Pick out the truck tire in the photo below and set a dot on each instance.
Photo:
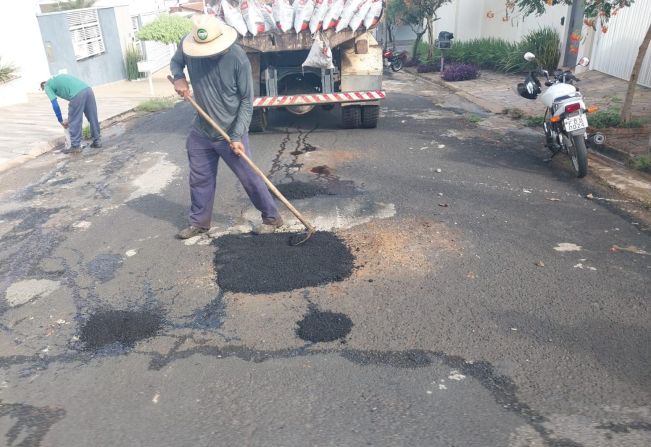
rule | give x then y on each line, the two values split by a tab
351	117
370	115
258	121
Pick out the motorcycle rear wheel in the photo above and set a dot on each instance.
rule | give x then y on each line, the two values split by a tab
396	65
578	154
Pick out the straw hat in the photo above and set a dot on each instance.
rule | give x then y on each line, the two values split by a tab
209	36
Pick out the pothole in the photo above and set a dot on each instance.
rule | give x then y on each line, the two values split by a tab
319	326
104	266
120	327
301	190
268	264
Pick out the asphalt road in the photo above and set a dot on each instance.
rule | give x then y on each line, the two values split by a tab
463	292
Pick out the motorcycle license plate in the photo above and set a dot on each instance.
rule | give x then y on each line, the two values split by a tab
575	123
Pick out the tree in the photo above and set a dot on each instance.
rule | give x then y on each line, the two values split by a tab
400	12
74	4
166	29
597	15
419	15
428	9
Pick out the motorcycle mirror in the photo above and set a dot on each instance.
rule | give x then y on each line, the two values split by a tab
529	56
584	61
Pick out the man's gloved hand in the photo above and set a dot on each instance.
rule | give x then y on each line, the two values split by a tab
237	147
182	88
64	124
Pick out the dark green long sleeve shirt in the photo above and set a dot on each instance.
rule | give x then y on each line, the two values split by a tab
223	86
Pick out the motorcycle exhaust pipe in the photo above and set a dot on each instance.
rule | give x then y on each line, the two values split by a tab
598	138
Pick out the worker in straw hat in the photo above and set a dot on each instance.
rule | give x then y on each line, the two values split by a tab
222	85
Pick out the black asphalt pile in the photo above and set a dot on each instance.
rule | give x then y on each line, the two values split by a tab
319	326
268	264
301	190
106	328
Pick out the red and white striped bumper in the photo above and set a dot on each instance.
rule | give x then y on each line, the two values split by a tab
325	98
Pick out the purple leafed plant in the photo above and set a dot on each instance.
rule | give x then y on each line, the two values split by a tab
428	68
459	72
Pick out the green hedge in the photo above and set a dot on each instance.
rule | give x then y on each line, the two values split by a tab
500	55
166	29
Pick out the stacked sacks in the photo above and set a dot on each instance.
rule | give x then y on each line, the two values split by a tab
233	17
259	16
360	15
283	14
334	11
320	10
374	14
252	17
303	10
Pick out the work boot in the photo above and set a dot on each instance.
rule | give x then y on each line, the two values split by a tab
191	231
267	228
96	145
72	150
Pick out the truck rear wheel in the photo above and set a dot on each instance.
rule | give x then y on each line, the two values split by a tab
258	121
370	115
351	117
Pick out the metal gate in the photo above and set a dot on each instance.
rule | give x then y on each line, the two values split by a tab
614	52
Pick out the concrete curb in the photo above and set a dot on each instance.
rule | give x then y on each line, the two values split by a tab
486	105
633	185
41	147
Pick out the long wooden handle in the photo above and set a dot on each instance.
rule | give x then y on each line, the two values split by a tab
248	161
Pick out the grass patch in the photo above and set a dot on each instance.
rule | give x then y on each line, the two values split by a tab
155	105
85	132
641	163
534	121
473	119
611	118
7	72
131	59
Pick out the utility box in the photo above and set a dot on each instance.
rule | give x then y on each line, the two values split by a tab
444	41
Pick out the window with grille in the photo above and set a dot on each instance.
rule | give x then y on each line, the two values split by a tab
85	32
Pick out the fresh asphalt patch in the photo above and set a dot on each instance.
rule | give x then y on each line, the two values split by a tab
268	264
301	190
318	326
109	327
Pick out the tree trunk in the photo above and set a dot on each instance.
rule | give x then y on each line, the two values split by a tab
419	38
635	74
430	38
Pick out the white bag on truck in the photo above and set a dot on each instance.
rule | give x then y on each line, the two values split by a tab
269	22
320	55
283	14
252	17
233	17
303	10
359	16
320	10
334	11
350	8
373	15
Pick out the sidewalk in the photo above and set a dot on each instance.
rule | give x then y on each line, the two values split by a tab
31	129
496	93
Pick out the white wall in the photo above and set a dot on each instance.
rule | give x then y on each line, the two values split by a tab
615	52
468	19
21	44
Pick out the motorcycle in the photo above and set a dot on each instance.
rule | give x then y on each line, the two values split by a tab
392	60
566	118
